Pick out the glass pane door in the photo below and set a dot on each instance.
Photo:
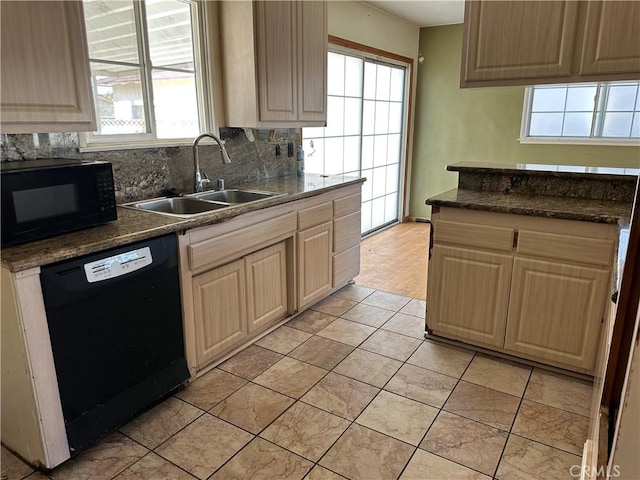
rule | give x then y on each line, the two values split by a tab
364	133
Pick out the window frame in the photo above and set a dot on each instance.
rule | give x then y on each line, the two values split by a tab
370	54
203	19
524	138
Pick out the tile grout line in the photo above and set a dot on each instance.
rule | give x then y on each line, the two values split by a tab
495	472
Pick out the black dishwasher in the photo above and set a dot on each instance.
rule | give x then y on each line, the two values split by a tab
115	322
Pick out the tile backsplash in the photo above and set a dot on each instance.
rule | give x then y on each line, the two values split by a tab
150	172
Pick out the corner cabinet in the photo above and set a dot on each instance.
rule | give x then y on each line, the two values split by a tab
531	287
274	62
558	41
45	84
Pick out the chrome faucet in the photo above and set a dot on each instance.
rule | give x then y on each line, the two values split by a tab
200	178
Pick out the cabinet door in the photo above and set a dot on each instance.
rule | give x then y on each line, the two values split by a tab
276	34
219	309
45	68
312	60
266	286
518	39
611	42
346	231
314	263
346	265
556	311
468	294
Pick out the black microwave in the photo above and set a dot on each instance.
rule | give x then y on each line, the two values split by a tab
43	198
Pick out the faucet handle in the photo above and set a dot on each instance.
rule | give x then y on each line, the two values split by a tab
205	178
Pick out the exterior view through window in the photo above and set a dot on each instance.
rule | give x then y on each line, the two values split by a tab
589	110
142	68
364	133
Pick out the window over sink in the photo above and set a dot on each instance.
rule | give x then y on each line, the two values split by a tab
146	69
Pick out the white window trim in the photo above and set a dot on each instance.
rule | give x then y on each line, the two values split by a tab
205	16
526	140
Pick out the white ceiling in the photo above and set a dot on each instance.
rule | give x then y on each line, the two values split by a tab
423	13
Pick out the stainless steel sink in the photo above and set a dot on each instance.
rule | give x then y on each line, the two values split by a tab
201	203
177	206
235	196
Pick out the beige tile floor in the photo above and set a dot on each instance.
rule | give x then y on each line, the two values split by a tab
349	389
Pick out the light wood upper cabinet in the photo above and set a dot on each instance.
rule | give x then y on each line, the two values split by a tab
519	39
276	34
312	61
274	62
45	76
555	311
469	293
611	43
559	41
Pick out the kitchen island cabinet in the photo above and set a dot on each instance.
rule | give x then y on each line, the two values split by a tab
524	274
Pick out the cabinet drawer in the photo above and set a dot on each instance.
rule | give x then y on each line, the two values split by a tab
473	235
346	205
312	216
346	265
346	231
565	247
245	240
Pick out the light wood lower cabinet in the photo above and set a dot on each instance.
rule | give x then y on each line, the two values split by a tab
241	277
555	311
469	293
531	287
266	273
314	263
219	299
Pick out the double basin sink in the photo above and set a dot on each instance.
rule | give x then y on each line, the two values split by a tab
204	202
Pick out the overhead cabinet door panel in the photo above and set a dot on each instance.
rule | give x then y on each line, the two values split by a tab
519	39
277	65
45	68
611	38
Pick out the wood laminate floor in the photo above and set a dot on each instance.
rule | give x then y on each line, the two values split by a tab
395	260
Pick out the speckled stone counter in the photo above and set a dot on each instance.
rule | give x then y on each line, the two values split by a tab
598	183
588	210
135	225
590	194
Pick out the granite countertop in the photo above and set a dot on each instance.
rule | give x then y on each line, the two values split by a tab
135	225
569	208
535	169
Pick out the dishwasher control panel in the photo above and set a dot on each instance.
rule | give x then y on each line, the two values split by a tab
117	265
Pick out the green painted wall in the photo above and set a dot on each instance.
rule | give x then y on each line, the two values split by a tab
476	124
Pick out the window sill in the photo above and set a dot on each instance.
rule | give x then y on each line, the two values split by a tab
625	142
180	142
